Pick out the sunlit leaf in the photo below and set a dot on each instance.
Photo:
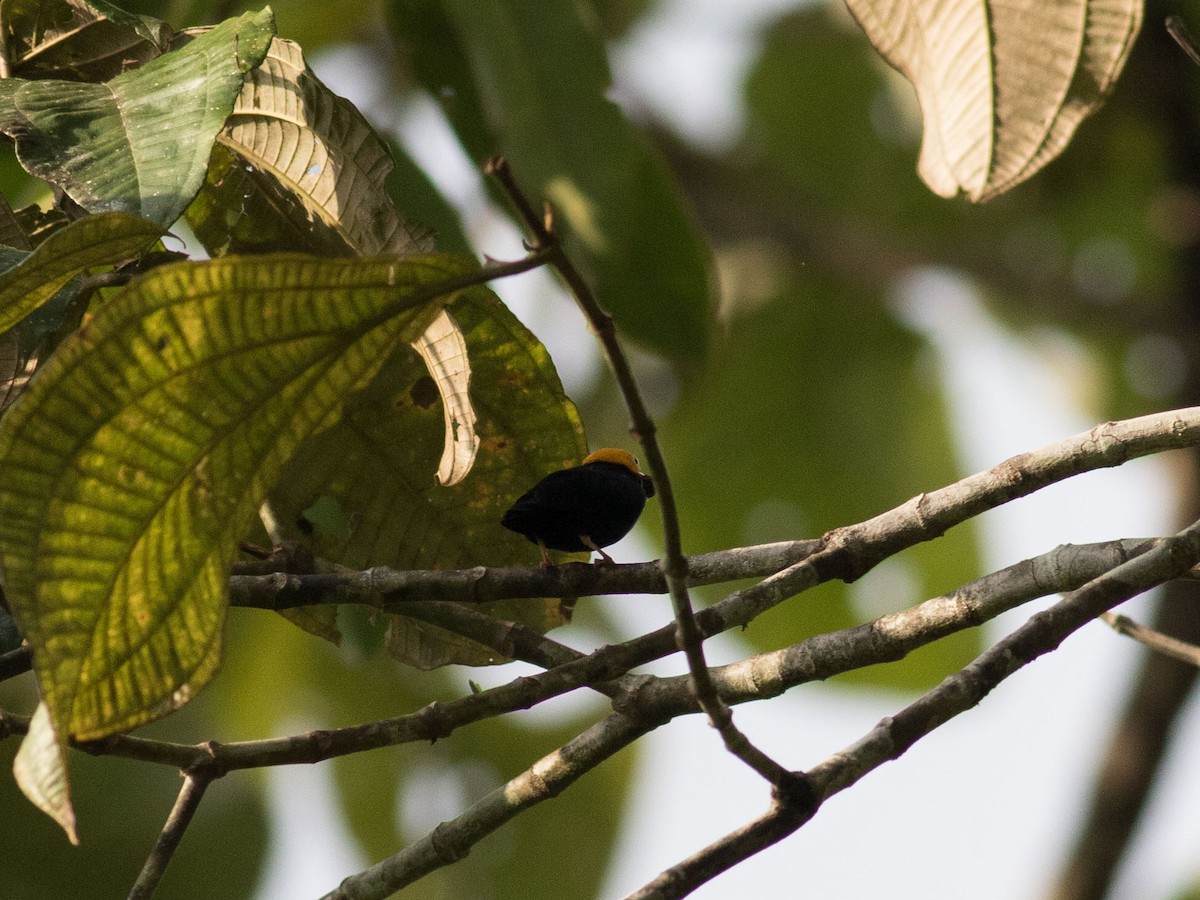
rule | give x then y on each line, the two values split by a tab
141	451
139	143
319	146
41	772
77	40
1002	86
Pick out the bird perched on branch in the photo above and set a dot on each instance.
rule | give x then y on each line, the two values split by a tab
586	507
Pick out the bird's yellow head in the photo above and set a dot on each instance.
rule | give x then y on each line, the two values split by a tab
613	455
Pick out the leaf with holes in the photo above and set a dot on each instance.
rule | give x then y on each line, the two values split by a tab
304	169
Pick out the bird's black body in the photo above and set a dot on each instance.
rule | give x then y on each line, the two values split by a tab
582	508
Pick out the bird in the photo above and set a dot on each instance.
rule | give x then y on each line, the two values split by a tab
584	507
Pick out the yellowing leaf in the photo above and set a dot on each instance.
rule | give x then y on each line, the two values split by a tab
140	452
1002	85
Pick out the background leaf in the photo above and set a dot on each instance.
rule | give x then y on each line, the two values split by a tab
541	78
77	40
92	241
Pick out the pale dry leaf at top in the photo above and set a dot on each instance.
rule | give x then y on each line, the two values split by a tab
1003	84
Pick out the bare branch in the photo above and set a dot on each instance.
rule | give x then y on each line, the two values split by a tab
392	588
186	804
893	736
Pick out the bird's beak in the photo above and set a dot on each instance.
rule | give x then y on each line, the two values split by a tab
648	485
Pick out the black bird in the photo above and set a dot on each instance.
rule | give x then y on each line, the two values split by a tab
585	507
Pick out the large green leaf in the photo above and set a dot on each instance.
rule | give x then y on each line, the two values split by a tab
366	485
1002	86
139	143
542	79
140	452
77	40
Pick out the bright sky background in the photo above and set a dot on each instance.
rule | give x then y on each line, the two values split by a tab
985	807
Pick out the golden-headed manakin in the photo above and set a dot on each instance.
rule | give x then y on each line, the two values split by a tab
585	507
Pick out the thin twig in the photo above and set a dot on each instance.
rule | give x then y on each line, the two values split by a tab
186	804
1155	640
689	636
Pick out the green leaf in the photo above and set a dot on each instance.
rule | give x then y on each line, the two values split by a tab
77	40
140	142
139	454
90	241
11	232
366	485
542	78
1002	87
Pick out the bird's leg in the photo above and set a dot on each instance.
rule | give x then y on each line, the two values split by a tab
591	545
546	564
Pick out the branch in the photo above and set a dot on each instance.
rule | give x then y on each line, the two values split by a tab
185	807
887	639
395	588
689	635
893	736
15	662
651	702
